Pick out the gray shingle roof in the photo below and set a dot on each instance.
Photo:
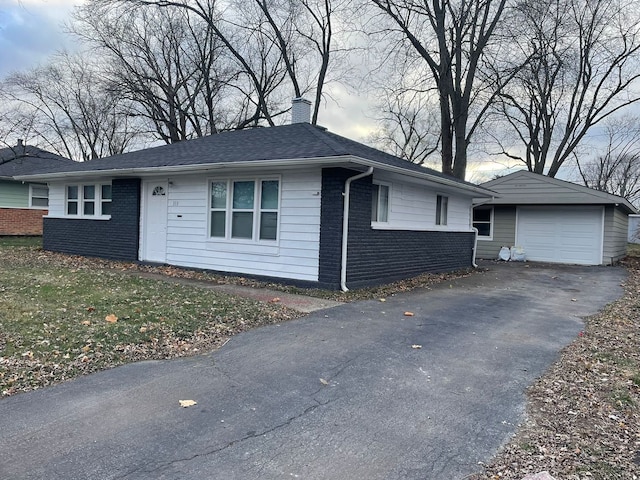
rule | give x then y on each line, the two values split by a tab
26	160
296	141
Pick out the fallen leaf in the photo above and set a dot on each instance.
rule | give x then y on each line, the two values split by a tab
187	403
383	299
86	348
274	300
574	300
91	309
323	381
111	318
408	314
143	329
416	347
86	323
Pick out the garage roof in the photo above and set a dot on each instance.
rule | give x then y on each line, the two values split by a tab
527	188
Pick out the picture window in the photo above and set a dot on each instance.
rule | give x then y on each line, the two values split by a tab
244	209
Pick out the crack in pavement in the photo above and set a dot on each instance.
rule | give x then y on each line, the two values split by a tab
284	424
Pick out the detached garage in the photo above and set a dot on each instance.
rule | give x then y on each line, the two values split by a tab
553	220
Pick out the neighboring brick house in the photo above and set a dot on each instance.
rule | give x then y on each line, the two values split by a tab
265	202
23	204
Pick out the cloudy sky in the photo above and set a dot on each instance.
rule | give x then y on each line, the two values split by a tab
31	30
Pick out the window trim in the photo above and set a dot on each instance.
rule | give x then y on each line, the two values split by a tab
256	210
440	207
388	185
490	222
80	201
32	196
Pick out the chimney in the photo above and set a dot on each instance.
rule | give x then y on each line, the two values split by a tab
20	143
300	110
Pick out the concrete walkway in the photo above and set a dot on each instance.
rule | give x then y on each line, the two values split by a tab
358	391
301	303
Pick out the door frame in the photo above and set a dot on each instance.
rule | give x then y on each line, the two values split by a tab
147	185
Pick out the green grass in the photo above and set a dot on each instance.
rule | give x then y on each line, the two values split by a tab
633	250
11	241
53	317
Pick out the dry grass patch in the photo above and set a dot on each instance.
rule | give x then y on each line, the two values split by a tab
61	317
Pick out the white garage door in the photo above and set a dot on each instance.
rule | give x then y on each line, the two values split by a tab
561	234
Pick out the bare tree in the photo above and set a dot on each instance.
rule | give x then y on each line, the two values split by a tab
582	67
171	67
617	169
65	107
453	38
293	38
409	127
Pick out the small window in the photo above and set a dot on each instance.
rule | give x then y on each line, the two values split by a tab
482	220
269	209
380	203
89	200
39	196
105	199
242	209
72	200
218	209
442	207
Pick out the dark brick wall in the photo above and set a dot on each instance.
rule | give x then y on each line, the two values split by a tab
331	225
379	256
116	238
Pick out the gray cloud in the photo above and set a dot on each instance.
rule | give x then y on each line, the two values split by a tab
29	34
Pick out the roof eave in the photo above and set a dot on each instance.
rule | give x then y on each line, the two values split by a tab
502	201
317	161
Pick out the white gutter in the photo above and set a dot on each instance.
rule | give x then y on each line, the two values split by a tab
277	163
345	226
475	248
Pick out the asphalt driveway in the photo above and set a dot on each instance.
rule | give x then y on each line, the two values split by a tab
339	394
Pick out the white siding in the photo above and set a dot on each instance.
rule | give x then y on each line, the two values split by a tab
413	207
56	199
616	225
295	255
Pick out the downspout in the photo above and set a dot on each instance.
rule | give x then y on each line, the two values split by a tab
475	248
345	226
475	230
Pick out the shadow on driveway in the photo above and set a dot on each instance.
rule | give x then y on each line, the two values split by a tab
339	394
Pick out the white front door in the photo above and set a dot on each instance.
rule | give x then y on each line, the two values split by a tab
155	222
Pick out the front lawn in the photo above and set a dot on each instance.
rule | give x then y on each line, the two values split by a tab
63	316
